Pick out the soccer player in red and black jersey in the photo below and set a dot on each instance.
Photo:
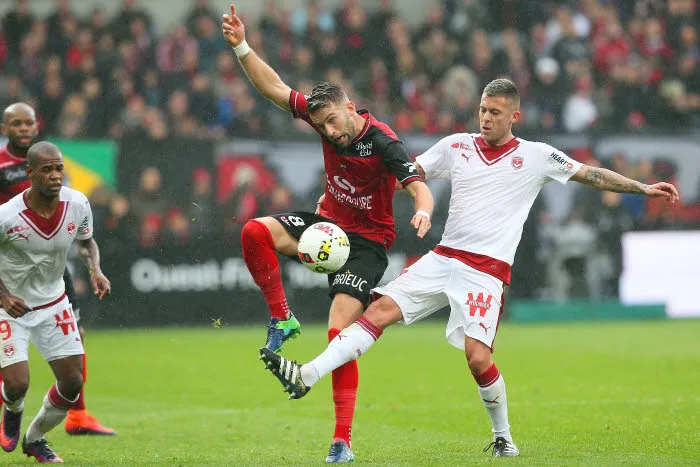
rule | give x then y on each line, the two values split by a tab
20	127
363	160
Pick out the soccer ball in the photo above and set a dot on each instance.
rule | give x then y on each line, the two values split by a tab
324	248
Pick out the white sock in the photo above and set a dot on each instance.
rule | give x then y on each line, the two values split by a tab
352	342
49	416
13	406
494	399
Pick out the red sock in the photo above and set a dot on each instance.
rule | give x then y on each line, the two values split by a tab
345	382
261	259
57	400
488	377
80	403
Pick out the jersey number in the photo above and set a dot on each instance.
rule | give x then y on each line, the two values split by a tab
295	221
5	330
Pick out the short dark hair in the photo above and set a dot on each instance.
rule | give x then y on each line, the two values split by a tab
503	87
39	149
323	94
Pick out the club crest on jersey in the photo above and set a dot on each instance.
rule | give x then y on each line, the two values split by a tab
8	350
17	233
517	162
71	228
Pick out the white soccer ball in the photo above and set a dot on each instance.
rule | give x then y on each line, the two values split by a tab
324	248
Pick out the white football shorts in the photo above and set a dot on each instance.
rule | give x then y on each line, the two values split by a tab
435	281
53	331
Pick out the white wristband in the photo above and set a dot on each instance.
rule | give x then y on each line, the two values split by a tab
242	49
423	213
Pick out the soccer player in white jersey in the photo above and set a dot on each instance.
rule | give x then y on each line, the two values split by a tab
37	228
495	179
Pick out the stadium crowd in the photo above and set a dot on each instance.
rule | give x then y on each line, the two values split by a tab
94	76
588	65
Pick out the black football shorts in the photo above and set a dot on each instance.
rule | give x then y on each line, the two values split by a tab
364	268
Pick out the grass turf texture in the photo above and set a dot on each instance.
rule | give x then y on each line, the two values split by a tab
592	393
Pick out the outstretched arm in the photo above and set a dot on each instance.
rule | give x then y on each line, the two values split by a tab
263	77
605	179
90	254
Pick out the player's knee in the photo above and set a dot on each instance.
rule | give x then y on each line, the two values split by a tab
383	312
15	386
479	356
71	384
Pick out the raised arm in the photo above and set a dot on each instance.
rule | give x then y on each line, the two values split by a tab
607	180
263	77
90	254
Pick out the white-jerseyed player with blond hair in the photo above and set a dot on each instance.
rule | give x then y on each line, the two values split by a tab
495	179
37	229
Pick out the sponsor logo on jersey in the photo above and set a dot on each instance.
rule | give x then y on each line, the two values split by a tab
71	228
461	145
83	228
348	278
66	321
14	174
359	202
467	157
517	162
344	184
560	162
17	233
365	149
478	304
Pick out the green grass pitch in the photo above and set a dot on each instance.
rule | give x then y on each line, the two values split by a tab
593	393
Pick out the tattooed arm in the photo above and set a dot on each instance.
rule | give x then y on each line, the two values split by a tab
607	180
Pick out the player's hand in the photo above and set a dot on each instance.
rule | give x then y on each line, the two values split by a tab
318	203
100	285
232	28
421	222
664	189
14	306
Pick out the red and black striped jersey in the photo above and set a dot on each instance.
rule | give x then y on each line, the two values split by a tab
13	176
361	178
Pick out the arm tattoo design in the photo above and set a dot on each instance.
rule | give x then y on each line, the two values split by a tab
612	181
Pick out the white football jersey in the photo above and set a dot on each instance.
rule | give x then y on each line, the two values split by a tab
493	189
34	250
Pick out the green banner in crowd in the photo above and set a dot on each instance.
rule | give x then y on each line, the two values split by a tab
89	164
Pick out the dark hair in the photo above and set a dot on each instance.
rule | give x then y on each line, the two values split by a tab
503	87
323	94
39	149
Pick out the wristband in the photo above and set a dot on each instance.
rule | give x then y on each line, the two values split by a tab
423	213
242	49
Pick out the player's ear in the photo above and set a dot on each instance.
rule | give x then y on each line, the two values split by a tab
516	116
350	105
3	129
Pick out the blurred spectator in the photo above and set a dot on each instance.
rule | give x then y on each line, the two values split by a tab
129	12
580	112
243	203
200	9
15	25
203	103
210	44
148	199
203	210
177	230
